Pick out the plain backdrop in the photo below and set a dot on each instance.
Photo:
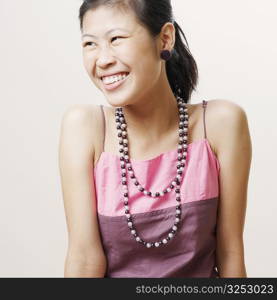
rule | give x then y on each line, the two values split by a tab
42	74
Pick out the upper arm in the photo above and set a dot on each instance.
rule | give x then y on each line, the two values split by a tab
234	152
76	152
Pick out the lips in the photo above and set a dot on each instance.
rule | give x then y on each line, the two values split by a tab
113	86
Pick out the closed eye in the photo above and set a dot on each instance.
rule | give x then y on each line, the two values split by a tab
117	37
87	44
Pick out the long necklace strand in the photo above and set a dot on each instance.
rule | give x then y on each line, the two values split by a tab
125	162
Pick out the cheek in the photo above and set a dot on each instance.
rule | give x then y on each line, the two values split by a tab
87	62
144	58
147	67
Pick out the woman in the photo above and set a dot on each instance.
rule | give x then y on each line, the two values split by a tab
153	186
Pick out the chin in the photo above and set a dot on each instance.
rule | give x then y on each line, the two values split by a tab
115	104
119	101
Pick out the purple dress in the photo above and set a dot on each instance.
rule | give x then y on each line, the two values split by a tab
191	253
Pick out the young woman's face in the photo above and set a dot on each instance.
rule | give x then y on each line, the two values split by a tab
114	42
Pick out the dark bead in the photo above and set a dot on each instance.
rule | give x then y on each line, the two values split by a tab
180	172
136	183
126	211
120	143
130	168
120	134
181	126
178	167
126	152
129	219
177	191
185	125
181	134
168	238
173	231
149	193
180	142
124	183
125	194
118	127
152	244
123	167
171	186
117	119
126	202
127	160
179	150
121	150
144	243
132	176
157	194
123	175
182	165
141	189
178	206
125	145
178	199
121	158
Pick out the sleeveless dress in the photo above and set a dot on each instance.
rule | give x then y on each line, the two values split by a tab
191	253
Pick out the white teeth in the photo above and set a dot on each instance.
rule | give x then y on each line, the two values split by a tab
112	79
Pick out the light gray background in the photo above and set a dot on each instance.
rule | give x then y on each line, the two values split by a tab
41	74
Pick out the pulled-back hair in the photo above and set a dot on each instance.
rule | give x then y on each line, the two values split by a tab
181	69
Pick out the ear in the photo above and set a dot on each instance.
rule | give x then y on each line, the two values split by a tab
167	36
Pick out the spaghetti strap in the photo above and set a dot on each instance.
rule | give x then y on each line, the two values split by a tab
204	105
104	126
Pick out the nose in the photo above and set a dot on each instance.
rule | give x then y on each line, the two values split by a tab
104	58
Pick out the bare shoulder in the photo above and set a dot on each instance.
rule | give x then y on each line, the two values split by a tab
225	108
82	121
226	122
80	112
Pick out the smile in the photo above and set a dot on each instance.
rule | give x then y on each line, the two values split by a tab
109	85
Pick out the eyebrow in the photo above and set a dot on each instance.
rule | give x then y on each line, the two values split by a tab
109	31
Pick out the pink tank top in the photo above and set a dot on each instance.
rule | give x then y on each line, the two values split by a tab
191	253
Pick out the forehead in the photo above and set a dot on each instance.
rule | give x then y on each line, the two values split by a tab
104	18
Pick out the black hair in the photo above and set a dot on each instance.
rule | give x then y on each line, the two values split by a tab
181	69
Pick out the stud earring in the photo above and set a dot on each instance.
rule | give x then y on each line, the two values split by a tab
166	54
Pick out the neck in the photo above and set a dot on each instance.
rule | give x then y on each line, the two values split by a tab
152	118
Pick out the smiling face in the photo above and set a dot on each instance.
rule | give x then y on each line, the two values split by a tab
114	42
